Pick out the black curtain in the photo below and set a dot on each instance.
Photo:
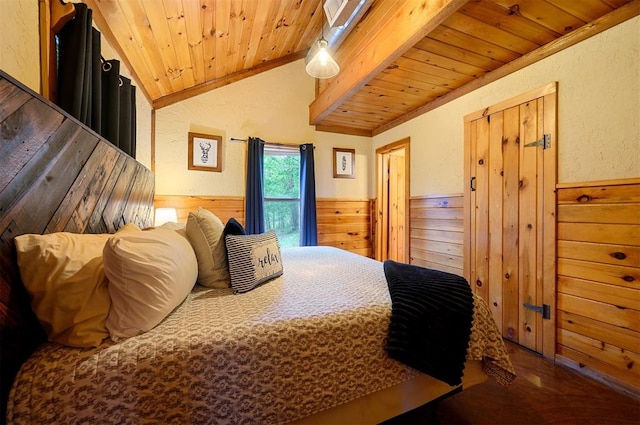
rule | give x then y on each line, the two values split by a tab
78	49
308	219
90	89
127	130
111	99
118	108
254	200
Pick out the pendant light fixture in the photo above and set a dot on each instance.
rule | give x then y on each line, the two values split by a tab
322	65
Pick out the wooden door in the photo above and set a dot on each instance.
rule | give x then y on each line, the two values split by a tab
392	163
396	205
510	203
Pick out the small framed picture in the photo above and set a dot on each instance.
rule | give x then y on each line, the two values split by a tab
205	152
344	161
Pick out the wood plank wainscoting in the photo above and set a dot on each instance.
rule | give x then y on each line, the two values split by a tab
437	232
598	280
598	271
343	223
224	207
346	224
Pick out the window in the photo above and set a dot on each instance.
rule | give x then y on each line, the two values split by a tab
282	193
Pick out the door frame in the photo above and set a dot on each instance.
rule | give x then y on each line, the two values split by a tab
381	236
550	176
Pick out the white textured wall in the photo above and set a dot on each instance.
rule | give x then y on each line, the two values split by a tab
273	105
598	115
20	41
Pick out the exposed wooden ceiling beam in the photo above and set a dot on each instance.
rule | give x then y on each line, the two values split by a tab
378	41
597	26
344	130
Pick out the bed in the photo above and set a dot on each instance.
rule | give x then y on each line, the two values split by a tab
307	341
305	347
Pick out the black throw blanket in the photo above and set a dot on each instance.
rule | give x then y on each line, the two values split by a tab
431	318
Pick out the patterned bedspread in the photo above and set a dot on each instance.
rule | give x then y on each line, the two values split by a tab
307	341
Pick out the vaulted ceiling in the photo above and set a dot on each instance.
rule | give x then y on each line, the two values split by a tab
401	59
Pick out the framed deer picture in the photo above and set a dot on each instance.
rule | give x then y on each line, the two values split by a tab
205	152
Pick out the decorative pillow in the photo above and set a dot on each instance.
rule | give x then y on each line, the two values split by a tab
204	231
171	225
233	227
150	273
179	228
64	276
253	260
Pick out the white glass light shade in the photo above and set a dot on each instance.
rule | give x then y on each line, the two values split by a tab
322	64
165	215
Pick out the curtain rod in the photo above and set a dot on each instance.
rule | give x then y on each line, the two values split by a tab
286	145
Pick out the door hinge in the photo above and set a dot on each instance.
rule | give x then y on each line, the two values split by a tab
545	309
545	142
472	184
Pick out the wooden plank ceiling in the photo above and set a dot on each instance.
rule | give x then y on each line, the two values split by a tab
402	58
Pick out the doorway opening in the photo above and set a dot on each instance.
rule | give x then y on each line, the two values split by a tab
392	201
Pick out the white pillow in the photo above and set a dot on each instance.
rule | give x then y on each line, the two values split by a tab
150	273
205	232
64	275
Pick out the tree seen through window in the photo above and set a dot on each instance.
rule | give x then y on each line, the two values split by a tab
282	193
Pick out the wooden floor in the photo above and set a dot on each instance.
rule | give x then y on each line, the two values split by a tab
542	393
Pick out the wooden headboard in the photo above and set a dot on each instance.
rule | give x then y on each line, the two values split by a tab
55	175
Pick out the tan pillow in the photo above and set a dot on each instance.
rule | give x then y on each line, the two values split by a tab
205	232
64	276
150	273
